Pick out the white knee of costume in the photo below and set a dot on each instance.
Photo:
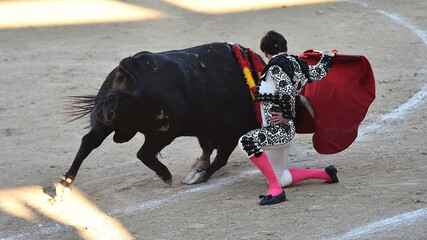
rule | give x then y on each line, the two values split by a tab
278	156
286	178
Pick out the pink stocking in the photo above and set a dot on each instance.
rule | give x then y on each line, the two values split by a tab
264	166
304	174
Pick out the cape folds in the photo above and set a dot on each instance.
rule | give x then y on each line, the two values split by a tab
340	100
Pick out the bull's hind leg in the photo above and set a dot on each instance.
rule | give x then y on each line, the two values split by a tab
201	163
147	155
89	142
224	151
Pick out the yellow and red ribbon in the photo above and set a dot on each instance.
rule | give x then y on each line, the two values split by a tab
244	61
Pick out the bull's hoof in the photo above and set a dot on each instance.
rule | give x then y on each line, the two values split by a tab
190	176
168	181
63	188
196	176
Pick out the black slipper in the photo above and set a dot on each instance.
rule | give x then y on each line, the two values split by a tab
332	172
269	199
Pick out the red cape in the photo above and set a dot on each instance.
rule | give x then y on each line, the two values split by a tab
340	101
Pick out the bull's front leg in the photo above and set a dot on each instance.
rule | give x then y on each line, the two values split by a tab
224	151
89	142
200	164
147	154
197	166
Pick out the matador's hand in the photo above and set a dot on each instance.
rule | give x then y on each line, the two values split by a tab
278	118
328	52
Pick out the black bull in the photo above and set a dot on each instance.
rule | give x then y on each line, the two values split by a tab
200	91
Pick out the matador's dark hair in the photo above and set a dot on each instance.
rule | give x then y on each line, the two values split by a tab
273	43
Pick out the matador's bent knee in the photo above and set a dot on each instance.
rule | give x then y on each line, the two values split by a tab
249	146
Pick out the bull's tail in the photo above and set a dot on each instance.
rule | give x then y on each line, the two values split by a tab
77	107
101	108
